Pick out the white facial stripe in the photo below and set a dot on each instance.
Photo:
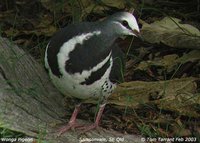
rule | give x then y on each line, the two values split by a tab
133	23
70	45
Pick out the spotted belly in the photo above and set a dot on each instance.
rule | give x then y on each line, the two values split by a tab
72	88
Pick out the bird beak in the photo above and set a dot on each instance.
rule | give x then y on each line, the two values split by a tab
137	34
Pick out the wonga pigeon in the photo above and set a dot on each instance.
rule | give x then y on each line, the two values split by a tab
84	61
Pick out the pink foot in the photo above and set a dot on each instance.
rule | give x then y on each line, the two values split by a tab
95	125
88	128
70	125
72	122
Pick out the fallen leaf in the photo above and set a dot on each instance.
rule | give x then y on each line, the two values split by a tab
170	62
171	32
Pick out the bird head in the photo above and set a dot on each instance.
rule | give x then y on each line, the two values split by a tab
124	24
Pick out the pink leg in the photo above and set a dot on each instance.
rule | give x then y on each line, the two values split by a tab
97	120
72	122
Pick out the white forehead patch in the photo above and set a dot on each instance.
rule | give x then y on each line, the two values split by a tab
131	20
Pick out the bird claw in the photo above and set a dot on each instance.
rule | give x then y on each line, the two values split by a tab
74	126
68	127
88	128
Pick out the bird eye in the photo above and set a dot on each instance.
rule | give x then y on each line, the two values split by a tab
125	23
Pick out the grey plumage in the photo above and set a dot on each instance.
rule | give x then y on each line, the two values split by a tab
84	61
